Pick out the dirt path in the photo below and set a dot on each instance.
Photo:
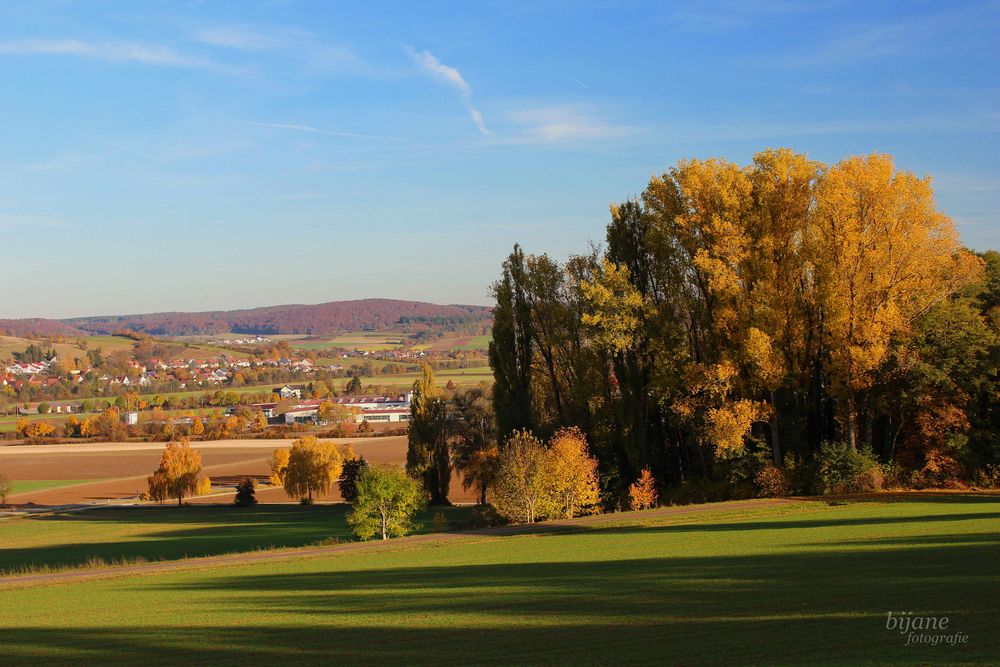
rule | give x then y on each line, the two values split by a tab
283	555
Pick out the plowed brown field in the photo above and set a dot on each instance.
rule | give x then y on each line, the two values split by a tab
121	468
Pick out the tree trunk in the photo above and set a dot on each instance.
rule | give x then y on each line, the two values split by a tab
852	424
482	493
773	422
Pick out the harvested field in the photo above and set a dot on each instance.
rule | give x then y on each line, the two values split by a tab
121	468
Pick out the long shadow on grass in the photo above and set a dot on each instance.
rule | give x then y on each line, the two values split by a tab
184	532
629	523
937	497
822	607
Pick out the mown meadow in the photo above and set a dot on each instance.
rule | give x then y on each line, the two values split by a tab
798	582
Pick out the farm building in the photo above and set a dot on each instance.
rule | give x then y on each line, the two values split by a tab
362	408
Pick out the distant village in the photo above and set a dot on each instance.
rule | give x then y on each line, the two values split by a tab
154	388
183	373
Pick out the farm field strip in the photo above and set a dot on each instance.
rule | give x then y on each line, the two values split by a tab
120	469
29	485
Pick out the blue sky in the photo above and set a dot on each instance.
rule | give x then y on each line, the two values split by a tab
203	155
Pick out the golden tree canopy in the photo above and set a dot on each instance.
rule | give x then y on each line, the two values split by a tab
177	476
313	467
573	473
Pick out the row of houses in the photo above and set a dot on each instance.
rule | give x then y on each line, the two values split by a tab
29	368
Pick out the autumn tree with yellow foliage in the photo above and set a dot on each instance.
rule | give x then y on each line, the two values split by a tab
179	473
760	309
573	473
279	466
313	467
524	491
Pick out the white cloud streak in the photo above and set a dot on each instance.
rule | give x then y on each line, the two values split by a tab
301	127
240	38
564	123
116	52
453	78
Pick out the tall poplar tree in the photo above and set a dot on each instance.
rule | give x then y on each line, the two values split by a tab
427	454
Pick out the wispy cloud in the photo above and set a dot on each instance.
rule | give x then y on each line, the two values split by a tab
932	35
308	54
451	77
715	18
300	127
562	123
239	37
116	52
866	43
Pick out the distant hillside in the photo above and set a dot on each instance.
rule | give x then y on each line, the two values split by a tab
37	326
321	318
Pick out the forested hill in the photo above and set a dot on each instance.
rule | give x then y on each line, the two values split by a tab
38	326
288	319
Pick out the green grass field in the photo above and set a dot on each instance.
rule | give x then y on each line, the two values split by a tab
108	344
29	485
476	343
169	533
803	583
460	376
360	340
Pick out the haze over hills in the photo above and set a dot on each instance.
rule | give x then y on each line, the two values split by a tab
284	319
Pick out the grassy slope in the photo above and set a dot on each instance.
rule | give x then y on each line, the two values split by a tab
27	485
807	584
169	533
107	344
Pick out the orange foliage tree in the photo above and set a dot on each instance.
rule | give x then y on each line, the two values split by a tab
178	474
642	493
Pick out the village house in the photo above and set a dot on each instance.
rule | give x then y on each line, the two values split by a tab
288	392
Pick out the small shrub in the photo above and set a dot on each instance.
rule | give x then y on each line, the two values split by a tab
988	477
439	523
485	516
801	475
842	469
772	482
894	476
305	501
246	492
642	493
348	483
941	470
